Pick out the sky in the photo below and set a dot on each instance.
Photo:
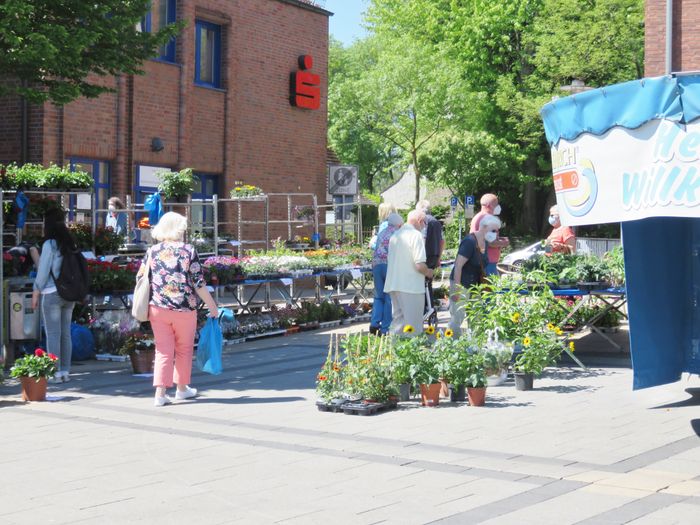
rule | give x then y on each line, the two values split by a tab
346	19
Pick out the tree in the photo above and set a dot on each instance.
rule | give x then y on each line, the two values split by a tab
53	47
474	163
400	94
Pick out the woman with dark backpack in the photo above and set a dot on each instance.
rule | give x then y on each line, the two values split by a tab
56	311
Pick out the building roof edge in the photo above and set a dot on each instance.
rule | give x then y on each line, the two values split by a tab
307	6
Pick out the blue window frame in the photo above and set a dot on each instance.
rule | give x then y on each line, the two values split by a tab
205	187
144	25
167	14
207	56
99	170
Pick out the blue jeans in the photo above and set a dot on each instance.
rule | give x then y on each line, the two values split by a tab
491	269
381	308
57	314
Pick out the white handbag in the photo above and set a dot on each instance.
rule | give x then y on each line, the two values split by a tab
142	293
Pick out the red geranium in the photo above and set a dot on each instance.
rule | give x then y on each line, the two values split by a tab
39	352
53	357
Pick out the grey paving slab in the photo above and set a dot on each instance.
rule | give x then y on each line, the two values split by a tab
633	510
253	449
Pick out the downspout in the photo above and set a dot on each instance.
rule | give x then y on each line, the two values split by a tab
669	36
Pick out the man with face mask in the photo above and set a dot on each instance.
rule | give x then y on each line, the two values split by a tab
490	206
562	239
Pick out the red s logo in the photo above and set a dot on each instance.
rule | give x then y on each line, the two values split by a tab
304	90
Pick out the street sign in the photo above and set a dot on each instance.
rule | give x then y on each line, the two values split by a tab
469	206
453	202
470	200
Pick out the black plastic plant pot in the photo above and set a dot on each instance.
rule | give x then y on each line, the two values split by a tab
458	393
524	380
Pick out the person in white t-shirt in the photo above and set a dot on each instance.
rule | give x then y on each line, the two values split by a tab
406	273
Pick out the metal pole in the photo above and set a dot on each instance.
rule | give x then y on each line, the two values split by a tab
240	241
267	223
2	278
317	233
359	219
93	209
215	213
669	36
289	217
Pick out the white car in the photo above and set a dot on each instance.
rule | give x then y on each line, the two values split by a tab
517	258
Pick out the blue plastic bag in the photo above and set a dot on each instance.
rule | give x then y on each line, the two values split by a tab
209	347
82	341
154	207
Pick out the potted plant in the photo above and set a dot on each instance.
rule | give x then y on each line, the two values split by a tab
33	371
540	349
476	379
246	191
141	350
425	373
176	184
405	356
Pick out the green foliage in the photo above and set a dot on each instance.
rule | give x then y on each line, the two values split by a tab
31	176
36	365
137	342
107	241
62	49
176	183
541	348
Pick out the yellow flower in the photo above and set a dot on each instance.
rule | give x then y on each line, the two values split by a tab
449	332
558	331
515	317
527	341
571	346
408	329
430	330
438	335
550	326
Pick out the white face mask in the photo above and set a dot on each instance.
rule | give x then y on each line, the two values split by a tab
111	208
490	236
552	220
497	209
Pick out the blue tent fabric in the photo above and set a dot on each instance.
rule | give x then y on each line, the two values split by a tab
628	105
82	342
22	203
662	288
154	207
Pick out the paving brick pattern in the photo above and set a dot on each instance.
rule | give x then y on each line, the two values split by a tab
580	448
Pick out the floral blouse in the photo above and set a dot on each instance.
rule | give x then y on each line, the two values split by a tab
175	275
381	250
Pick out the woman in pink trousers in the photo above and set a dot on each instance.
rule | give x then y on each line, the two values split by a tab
177	284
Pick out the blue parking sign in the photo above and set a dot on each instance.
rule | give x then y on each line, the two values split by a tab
470	200
454	201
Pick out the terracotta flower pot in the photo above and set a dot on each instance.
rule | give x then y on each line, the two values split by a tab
477	396
142	361
430	395
292	329
33	390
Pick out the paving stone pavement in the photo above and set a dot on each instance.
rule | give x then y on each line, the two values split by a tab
252	448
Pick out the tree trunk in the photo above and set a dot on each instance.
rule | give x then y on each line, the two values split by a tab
530	211
416	171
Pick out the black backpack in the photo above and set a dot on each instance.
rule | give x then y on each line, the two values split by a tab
73	281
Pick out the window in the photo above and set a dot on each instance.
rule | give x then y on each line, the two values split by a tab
100	174
205	187
167	15
207	71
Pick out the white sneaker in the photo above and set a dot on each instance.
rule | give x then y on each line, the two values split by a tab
65	376
186	394
161	401
56	379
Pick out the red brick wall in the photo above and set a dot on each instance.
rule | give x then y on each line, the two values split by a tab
246	131
686	38
10	126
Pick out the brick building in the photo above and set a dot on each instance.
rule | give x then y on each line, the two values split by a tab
217	100
686	38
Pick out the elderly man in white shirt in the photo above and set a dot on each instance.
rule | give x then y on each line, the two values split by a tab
406	273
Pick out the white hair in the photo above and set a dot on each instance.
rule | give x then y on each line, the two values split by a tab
395	219
423	205
171	227
490	221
